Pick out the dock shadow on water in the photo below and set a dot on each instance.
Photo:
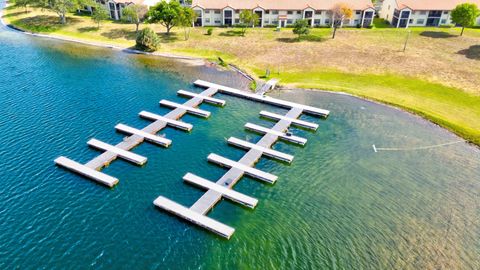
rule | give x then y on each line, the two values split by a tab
473	52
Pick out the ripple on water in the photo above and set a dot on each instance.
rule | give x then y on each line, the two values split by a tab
338	205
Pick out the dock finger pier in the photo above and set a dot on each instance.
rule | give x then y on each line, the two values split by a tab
215	189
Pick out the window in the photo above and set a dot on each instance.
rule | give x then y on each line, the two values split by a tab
237	11
347	21
289	12
266	21
420	21
388	7
289	21
317	21
299	12
327	21
318	12
217	21
275	22
444	21
445	12
237	20
423	12
356	22
275	12
267	11
207	11
207	20
217	11
410	21
358	12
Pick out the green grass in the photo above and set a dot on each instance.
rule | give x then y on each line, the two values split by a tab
449	107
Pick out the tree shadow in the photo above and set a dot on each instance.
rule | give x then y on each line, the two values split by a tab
15	14
473	52
120	33
310	38
432	34
44	23
87	29
231	33
168	38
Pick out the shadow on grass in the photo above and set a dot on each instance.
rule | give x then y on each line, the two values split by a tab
164	38
43	23
310	38
87	29
231	33
120	33
15	14
432	34
471	53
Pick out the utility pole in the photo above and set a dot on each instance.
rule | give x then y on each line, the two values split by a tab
406	40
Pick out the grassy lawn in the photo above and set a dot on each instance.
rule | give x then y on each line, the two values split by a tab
438	76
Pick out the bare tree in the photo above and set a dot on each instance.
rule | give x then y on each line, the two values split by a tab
340	13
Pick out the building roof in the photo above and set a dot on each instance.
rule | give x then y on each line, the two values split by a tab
433	4
281	4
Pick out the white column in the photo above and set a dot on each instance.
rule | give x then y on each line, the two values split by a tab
363	19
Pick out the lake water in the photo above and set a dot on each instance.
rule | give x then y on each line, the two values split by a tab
339	205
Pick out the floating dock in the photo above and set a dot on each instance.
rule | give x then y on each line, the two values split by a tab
223	187
194	217
266	151
122	149
189	109
87	172
149	137
276	132
226	192
295	122
255	173
207	99
127	155
173	123
262	98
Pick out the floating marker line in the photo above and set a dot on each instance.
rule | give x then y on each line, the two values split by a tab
376	149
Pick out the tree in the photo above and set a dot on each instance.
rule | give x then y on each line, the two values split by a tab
301	28
247	19
165	13
185	19
61	7
134	14
100	14
340	13
147	40
465	15
24	3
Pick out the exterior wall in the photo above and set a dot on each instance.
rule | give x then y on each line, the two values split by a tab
273	18
388	7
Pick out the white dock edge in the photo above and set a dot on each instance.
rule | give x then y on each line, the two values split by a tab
127	155
255	173
189	109
226	192
194	217
261	98
86	171
294	121
266	151
284	136
170	122
207	99
147	136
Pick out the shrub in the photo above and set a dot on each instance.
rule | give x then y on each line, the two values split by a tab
147	40
210	31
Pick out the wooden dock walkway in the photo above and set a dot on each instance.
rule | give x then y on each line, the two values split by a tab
245	165
160	122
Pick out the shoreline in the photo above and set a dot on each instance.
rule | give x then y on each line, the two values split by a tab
202	61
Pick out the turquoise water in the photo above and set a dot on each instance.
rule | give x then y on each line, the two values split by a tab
339	205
